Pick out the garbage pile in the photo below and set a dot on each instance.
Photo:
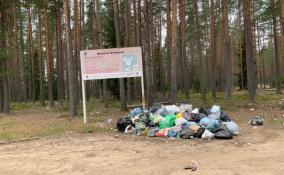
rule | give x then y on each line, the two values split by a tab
179	122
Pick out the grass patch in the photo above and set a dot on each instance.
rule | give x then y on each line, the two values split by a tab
32	120
277	122
21	106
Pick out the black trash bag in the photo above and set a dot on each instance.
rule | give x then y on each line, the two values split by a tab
145	118
199	132
187	133
153	109
123	123
222	132
197	117
224	117
204	111
256	120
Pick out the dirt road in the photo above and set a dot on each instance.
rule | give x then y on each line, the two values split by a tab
258	150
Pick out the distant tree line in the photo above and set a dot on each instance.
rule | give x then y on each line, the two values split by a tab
188	46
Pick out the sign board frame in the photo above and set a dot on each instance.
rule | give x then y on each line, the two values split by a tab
125	63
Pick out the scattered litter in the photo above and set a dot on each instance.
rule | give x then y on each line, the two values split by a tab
109	121
256	121
192	167
183	121
252	109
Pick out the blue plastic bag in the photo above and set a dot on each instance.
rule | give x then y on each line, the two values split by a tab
209	124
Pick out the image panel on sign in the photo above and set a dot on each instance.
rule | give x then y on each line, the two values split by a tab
129	62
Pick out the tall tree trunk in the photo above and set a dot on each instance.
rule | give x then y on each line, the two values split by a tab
240	43
185	72
40	61
71	73
282	15
93	91
148	60
159	51
22	58
128	42
213	49
138	27
169	42
173	83
249	49
221	43
4	84
82	19
199	49
118	45
276	50
76	51
227	51
261	78
48	57
100	46
59	60
18	92
31	57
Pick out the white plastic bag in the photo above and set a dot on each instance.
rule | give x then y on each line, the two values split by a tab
207	135
186	107
172	109
233	127
195	111
215	109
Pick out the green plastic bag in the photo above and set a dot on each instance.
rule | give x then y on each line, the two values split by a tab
168	122
156	118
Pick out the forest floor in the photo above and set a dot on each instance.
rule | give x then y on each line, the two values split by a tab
59	145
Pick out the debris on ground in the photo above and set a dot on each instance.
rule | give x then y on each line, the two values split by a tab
192	167
179	122
256	121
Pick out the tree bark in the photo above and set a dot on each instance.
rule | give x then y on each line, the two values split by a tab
118	45
48	58
71	73
82	19
18	88
148	61
185	71
240	44
282	15
40	61
169	43
249	49
227	51
4	84
76	51
199	50
128	42
173	82
276	49
100	45
59	60
213	49
31	57
22	59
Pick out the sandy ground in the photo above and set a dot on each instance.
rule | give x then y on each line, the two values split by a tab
257	150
